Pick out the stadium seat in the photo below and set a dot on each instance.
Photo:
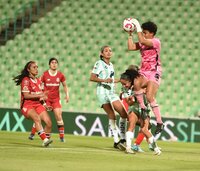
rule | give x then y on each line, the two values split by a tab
75	31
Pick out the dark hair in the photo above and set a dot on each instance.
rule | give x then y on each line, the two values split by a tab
150	26
24	73
133	67
52	59
130	75
102	49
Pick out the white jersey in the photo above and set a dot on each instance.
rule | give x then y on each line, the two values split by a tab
126	93
104	71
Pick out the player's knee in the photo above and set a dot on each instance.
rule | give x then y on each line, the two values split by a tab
36	119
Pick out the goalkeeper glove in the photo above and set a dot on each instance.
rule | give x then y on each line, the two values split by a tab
137	25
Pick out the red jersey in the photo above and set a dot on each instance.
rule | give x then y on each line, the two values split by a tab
33	87
52	83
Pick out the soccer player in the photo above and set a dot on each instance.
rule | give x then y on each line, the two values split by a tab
125	94
136	115
31	97
103	73
150	68
51	80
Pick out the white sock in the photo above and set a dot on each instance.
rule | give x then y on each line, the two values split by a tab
151	139
129	138
113	130
45	140
152	142
122	127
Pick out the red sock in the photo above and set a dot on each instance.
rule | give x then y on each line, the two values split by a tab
61	130
33	130
48	135
139	138
42	134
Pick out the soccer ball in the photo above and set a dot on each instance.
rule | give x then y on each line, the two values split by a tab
128	25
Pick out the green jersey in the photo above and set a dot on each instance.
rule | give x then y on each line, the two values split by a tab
135	107
104	71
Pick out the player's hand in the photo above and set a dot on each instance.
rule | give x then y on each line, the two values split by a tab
67	98
48	108
137	25
43	97
108	80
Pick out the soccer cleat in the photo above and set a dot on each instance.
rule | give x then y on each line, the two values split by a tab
31	137
47	143
137	148
119	146
115	145
129	151
151	148
157	151
159	128
123	141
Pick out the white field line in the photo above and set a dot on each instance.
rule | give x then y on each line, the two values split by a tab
66	149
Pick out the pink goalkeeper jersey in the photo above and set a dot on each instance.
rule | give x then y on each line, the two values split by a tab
151	57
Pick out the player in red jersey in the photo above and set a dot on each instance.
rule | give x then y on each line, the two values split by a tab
51	80
31	97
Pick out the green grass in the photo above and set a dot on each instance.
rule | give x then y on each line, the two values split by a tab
80	153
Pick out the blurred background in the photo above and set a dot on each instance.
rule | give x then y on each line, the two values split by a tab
75	30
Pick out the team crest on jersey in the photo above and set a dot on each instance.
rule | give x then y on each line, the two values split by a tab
25	88
58	79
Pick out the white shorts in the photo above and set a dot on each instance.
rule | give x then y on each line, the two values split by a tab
107	98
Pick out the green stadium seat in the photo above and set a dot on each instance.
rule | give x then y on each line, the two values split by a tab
75	32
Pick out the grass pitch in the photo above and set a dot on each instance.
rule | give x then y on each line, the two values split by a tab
80	153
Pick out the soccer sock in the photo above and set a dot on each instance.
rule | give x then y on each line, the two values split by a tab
113	130
152	141
48	135
42	134
129	138
33	130
61	129
122	127
156	111
139	96
139	138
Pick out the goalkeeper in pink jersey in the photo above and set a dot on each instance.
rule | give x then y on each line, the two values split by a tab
150	68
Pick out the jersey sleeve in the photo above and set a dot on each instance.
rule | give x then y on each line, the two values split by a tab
63	78
156	43
25	85
97	68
